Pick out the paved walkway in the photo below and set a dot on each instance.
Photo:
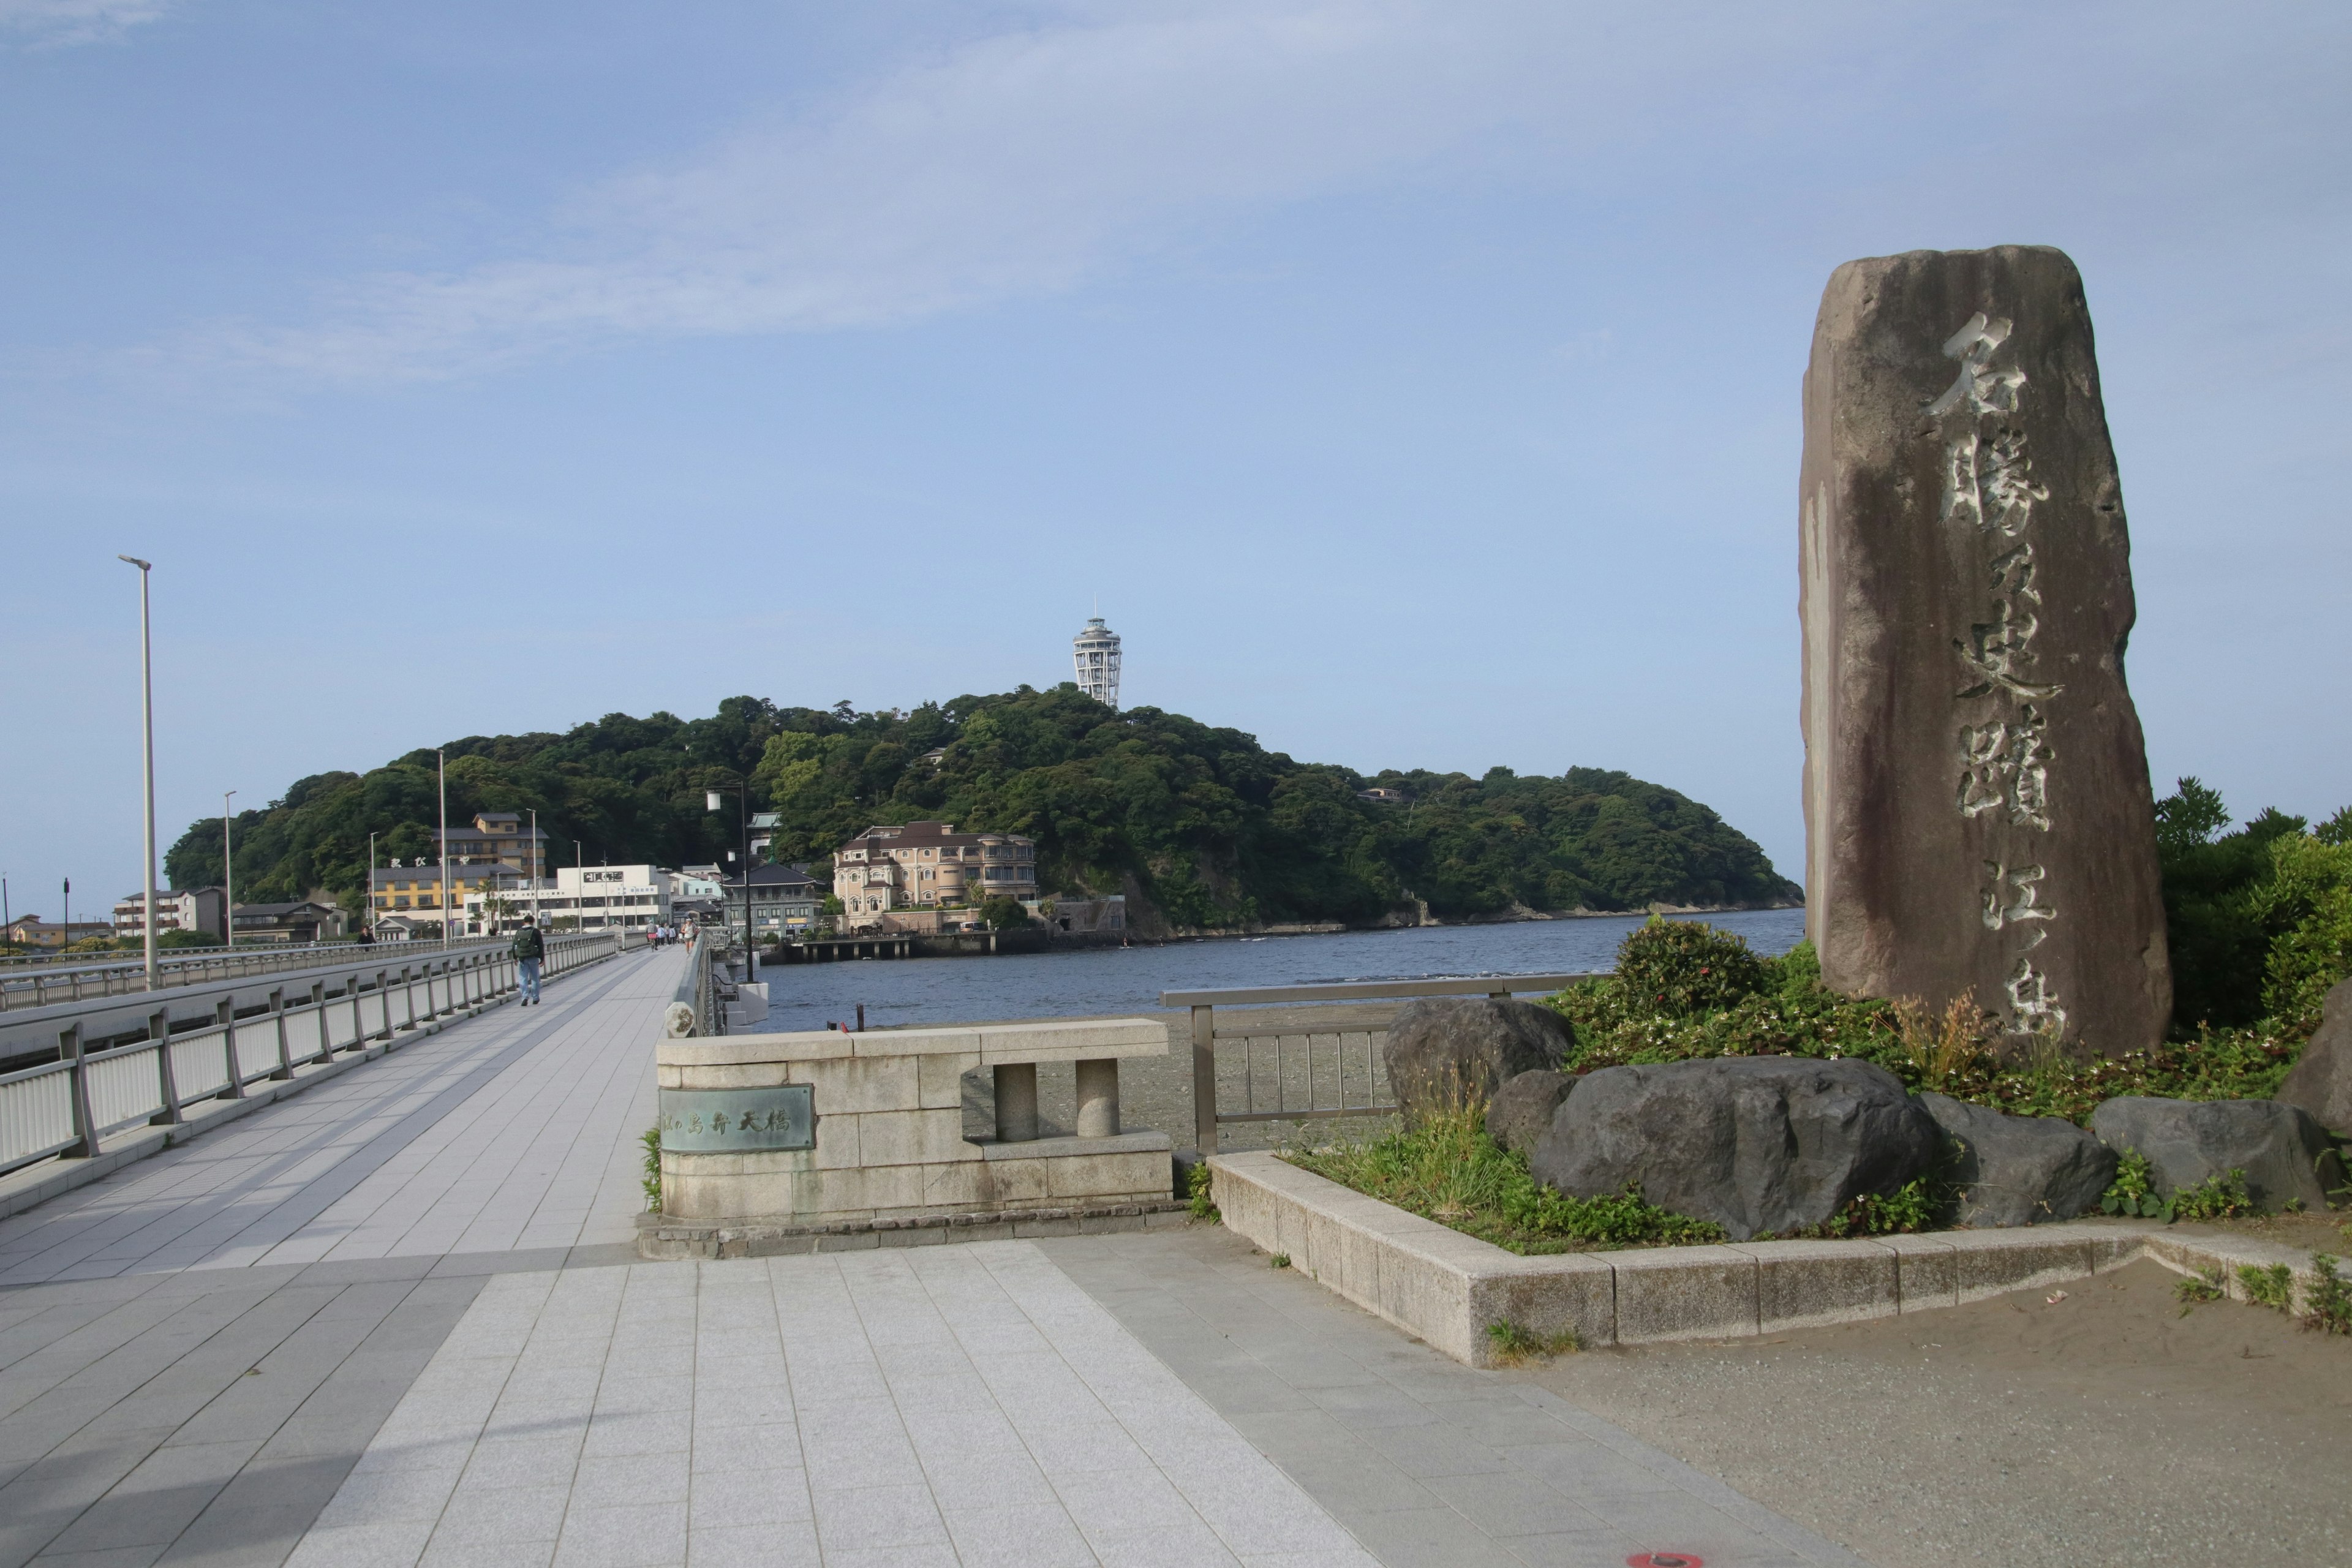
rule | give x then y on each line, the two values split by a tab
512	1131
395	1320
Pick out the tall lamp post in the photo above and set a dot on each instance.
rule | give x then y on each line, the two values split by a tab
441	760
537	868
743	796
579	891
228	876
147	716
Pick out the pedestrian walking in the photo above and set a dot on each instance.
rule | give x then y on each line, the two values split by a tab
530	948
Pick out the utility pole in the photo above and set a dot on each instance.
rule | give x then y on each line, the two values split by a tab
367	910
228	875
537	865
441	760
147	716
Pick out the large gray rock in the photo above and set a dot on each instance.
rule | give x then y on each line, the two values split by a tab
1521	1112
2321	1079
1976	806
1753	1143
1451	1053
2282	1149
2020	1170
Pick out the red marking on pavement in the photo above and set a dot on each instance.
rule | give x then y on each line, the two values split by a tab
1664	1559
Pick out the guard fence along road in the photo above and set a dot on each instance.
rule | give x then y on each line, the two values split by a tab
42	982
1281	1082
129	1062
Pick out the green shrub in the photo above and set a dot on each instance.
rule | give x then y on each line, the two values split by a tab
2272	1287
1448	1170
2133	1192
1198	1188
651	1182
2215	1197
1678	968
2330	1299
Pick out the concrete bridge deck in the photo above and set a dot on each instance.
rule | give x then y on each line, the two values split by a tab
398	1320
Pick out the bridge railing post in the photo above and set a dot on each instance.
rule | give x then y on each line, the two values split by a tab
1205	1078
85	1126
225	1015
167	1078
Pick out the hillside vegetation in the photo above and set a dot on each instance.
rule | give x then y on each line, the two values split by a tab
1205	824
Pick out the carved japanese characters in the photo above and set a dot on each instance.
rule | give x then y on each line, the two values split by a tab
1976	803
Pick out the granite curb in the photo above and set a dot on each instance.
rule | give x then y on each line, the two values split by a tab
661	1239
1447	1288
35	1184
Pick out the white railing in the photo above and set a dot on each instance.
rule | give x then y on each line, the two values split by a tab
69	1105
24	986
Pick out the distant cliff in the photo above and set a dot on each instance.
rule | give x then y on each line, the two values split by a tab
1205	825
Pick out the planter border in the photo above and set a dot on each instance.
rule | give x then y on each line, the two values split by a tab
1446	1287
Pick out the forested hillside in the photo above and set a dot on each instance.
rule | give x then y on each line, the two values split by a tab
1205	824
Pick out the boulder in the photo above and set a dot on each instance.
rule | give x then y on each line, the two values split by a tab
1522	1110
2321	1081
2282	1149
1448	1053
1754	1143
2020	1170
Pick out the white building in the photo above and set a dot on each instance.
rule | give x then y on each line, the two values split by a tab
1095	652
197	909
587	897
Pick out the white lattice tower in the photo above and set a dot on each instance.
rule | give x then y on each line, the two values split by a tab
1095	652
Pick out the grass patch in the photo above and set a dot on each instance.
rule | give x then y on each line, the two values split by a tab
1515	1346
2330	1298
1448	1170
2203	1286
2272	1287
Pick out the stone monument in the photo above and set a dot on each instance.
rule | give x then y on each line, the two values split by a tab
1977	815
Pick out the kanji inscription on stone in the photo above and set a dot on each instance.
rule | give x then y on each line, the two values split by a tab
1978	814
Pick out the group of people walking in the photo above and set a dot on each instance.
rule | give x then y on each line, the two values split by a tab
662	936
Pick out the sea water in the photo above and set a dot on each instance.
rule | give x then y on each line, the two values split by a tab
1099	982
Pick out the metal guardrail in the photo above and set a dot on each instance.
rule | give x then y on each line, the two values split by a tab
46	987
216	1047
1371	1095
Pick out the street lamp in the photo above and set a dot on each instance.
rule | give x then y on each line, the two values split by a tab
441	761
710	802
147	714
228	875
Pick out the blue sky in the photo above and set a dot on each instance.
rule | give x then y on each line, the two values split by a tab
1415	385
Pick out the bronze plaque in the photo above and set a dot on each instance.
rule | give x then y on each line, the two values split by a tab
738	1120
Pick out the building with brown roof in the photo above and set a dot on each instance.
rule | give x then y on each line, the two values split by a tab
914	866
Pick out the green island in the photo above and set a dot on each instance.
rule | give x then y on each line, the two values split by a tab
1203	828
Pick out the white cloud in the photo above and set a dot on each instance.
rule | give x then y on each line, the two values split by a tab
76	21
1024	164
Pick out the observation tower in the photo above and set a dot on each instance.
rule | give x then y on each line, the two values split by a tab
1095	652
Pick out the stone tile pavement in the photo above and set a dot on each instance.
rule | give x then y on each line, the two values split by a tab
397	1320
509	1131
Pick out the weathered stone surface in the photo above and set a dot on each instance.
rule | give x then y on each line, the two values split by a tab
1448	1052
1754	1143
2020	1170
1977	805
2282	1149
2321	1081
1521	1112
